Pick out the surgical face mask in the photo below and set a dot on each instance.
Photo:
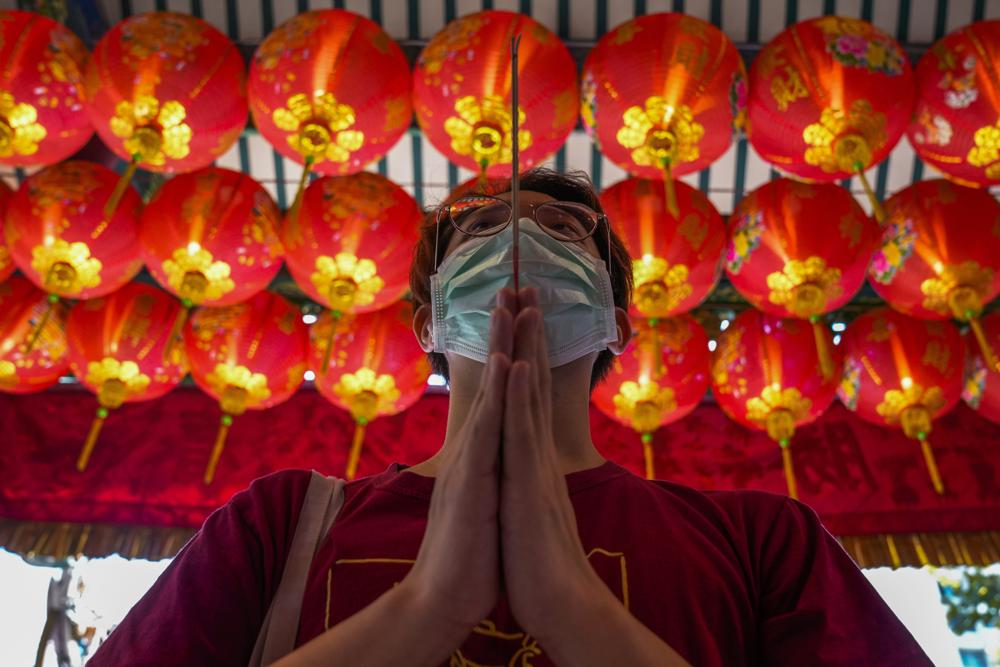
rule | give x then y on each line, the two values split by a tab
574	294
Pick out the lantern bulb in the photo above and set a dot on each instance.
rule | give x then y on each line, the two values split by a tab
193	248
906	382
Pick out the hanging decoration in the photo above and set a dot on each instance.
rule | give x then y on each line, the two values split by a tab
330	89
660	378
956	122
116	350
211	238
351	244
940	254
60	238
661	95
166	92
903	372
462	86
676	258
764	376
251	355
375	369
42	118
829	98
981	390
7	266
24	370
800	250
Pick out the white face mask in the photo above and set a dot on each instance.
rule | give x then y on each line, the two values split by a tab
574	294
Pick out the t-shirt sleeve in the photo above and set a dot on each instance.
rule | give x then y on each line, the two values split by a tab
816	607
208	605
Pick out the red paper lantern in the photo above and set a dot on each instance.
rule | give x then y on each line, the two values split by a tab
331	90
25	370
661	95
42	119
661	378
166	92
120	349
829	97
6	263
940	254
462	92
902	372
248	356
211	237
982	382
59	236
956	122
676	259
800	250
375	366
764	376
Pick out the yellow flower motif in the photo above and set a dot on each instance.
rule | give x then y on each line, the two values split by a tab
346	280
913	407
196	276
659	287
151	131
845	141
986	152
483	129
238	387
66	268
321	126
367	394
778	410
960	289
117	380
19	131
660	134
876	55
644	404
804	287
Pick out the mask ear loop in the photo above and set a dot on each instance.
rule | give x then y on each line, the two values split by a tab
515	161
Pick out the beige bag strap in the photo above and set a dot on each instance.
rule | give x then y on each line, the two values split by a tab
323	500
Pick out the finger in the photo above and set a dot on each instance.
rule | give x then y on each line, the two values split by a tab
526	335
506	298
501	329
485	421
519	432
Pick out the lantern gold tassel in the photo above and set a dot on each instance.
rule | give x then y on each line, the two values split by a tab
220	443
647	453
984	345
786	458
123	183
822	347
88	445
355	454
293	212
670	189
334	317
176	331
932	468
37	331
877	209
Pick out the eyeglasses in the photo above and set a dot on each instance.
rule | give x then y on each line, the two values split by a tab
483	215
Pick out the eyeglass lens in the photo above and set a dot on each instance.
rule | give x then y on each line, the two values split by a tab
484	216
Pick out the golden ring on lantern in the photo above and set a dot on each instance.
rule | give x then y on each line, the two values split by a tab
66	268
366	393
788	407
117	380
958	289
150	131
804	286
659	287
346	280
321	127
19	131
841	140
237	387
660	134
482	129
644	404
197	276
912	407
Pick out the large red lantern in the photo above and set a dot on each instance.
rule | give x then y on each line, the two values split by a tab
800	250
349	246
462	92
166	92
829	98
120	349
940	254
902	372
662	94
331	90
764	376
251	355
42	119
676	259
661	378
956	122
211	238
7	266
375	367
22	369
982	381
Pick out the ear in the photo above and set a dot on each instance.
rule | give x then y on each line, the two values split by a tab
422	328
624	326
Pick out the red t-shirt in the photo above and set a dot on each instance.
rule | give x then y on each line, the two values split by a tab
724	577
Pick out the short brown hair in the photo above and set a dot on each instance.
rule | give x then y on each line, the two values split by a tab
573	187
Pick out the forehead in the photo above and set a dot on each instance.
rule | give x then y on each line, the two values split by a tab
527	197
